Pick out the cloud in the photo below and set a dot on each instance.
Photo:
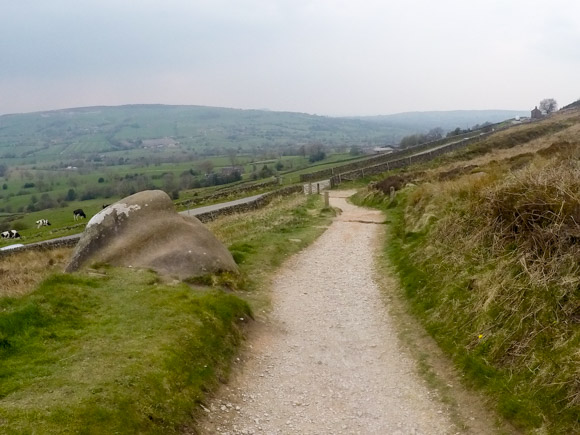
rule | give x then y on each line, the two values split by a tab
323	56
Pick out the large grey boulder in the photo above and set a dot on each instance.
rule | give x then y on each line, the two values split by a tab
144	230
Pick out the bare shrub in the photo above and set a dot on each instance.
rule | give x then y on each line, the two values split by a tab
395	181
538	210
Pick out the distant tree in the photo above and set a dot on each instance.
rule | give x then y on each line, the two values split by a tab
71	195
4	186
457	132
355	150
46	202
205	167
186	180
548	105
101	180
412	140
266	172
316	153
434	134
233	156
170	184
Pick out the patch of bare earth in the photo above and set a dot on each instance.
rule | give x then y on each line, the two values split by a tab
328	359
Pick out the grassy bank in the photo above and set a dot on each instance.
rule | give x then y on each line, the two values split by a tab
122	351
489	263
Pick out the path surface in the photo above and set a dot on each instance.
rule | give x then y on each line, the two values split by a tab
327	360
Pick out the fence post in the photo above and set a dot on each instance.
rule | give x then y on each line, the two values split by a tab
318	188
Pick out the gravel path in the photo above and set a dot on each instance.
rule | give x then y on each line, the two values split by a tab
327	360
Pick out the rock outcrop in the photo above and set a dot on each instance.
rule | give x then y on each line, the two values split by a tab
144	230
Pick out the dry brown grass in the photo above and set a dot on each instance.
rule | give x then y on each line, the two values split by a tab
490	260
514	243
230	228
21	272
570	135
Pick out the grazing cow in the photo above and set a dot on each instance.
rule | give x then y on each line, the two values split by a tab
79	214
42	223
10	234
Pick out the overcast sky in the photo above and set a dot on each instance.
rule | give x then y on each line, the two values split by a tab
325	57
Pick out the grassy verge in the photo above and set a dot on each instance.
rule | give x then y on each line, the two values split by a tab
119	351
113	354
489	264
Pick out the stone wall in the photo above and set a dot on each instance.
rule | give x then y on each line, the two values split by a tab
43	246
403	162
224	193
459	140
260	202
317	187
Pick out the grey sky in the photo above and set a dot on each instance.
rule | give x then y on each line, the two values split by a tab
357	57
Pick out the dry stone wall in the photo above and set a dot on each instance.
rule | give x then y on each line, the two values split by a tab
227	192
403	162
248	206
205	217
43	246
460	140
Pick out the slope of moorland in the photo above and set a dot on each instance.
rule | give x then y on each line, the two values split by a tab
486	244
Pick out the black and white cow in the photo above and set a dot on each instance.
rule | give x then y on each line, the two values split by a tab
42	223
10	234
79	214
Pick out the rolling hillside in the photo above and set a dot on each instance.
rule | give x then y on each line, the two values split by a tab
140	129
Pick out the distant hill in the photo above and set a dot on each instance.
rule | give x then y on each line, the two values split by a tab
48	136
447	120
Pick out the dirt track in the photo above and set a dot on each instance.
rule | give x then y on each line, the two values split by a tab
327	360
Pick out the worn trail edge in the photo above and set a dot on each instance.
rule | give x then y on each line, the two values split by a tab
327	360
